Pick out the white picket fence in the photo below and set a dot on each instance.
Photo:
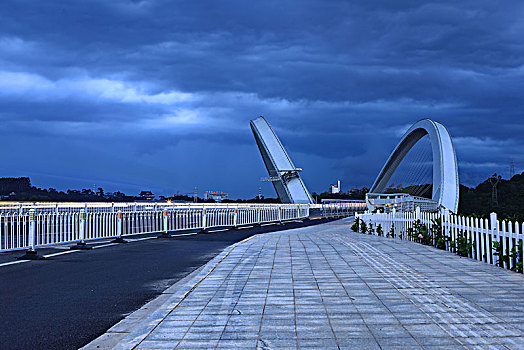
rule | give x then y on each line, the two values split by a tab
29	229
482	233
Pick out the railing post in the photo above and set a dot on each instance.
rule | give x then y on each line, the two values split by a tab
165	230
279	215
30	254
393	221
494	229
444	214
82	226
165	221
32	230
204	221
119	228
493	221
259	222
82	232
235	219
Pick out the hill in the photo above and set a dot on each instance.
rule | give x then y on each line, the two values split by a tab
479	201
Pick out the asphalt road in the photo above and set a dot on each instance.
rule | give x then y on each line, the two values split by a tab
66	301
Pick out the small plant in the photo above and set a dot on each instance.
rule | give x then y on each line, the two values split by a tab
419	233
414	231
438	238
355	225
512	218
391	232
371	229
380	232
462	246
363	227
424	236
441	244
475	215
498	251
516	256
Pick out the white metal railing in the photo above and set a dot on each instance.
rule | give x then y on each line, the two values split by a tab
338	209
113	207
43	224
400	201
96	207
493	241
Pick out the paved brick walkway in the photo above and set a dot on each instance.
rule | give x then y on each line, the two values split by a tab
322	287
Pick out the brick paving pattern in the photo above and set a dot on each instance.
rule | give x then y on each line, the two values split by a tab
324	287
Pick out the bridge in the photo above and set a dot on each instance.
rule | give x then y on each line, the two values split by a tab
445	169
282	172
393	270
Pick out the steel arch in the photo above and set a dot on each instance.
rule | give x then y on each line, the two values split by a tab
445	170
288	184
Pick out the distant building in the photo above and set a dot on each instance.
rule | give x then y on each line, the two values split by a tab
217	196
146	195
335	188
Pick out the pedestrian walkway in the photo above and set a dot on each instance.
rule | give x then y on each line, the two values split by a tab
324	287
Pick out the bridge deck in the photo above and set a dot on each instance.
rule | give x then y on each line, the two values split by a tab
323	287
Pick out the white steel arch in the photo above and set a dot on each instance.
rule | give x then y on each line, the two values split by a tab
284	175
445	170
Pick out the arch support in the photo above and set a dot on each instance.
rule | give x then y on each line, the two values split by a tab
283	174
445	169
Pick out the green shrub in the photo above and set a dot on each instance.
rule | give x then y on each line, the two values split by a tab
436	231
516	256
355	225
391	232
380	232
363	226
498	251
426	237
462	246
419	233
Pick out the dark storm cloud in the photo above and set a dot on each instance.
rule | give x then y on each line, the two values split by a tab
162	90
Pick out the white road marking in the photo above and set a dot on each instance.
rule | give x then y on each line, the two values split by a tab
60	253
14	262
187	234
104	245
138	239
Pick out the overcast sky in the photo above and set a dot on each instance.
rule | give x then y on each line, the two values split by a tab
133	95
